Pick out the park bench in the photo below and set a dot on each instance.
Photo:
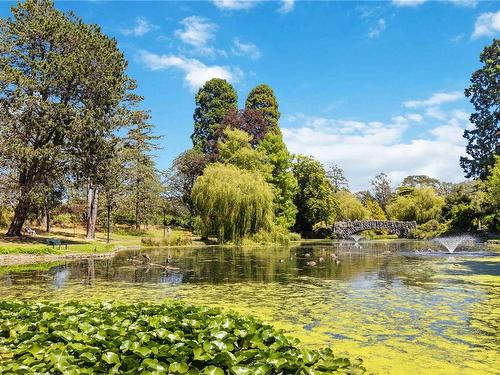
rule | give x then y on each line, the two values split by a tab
54	242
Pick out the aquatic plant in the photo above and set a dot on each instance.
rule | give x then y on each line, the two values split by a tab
174	338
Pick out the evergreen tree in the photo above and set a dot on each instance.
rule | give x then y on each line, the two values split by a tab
144	182
213	102
484	93
262	99
63	92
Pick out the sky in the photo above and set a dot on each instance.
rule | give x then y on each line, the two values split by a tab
370	86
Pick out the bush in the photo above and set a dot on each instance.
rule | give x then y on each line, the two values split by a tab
430	229
276	236
75	337
177	238
63	220
292	236
174	238
44	250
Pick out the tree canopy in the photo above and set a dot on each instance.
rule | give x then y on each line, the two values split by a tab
232	202
484	94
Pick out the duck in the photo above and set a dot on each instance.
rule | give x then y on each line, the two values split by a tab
307	255
312	263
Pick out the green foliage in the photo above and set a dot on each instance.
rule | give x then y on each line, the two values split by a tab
5	216
430	229
262	98
74	337
382	189
213	102
350	208
64	94
281	178
484	94
64	220
415	204
36	250
461	208
294	236
336	176
493	197
232	202
376	212
421	181
173	238
315	199
234	148
276	235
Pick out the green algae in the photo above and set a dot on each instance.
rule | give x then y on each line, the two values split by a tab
401	312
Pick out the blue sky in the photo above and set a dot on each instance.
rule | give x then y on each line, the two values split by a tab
371	86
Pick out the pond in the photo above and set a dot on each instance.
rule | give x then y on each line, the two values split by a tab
404	307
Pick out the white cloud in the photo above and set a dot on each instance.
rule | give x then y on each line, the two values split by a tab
197	32
245	49
408	3
196	72
377	29
142	27
464	3
435	100
286	6
487	24
234	4
365	149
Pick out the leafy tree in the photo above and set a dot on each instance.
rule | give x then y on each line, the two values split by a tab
314	200
64	91
493	197
262	99
232	202
382	189
181	177
235	149
214	100
249	120
376	212
416	204
460	208
335	175
350	208
484	94
421	181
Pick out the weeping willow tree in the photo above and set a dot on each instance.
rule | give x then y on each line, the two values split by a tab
232	202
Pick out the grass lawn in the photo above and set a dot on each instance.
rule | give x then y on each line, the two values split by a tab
72	241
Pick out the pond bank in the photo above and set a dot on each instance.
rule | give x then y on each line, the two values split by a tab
24	259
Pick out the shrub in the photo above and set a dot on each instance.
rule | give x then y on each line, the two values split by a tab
276	235
63	220
36	250
292	236
430	229
177	238
150	241
86	338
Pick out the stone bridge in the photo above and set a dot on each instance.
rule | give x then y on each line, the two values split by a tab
344	229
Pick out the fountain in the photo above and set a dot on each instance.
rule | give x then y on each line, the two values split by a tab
452	242
356	237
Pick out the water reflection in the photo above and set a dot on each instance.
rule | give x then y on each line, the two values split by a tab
388	302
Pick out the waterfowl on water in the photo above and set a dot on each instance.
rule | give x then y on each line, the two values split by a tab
307	255
321	259
312	263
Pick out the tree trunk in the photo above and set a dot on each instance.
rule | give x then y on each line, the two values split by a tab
92	195
20	214
47	216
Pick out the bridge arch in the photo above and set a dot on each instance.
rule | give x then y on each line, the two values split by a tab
344	229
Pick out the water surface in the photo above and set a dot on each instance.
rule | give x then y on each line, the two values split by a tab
404	307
